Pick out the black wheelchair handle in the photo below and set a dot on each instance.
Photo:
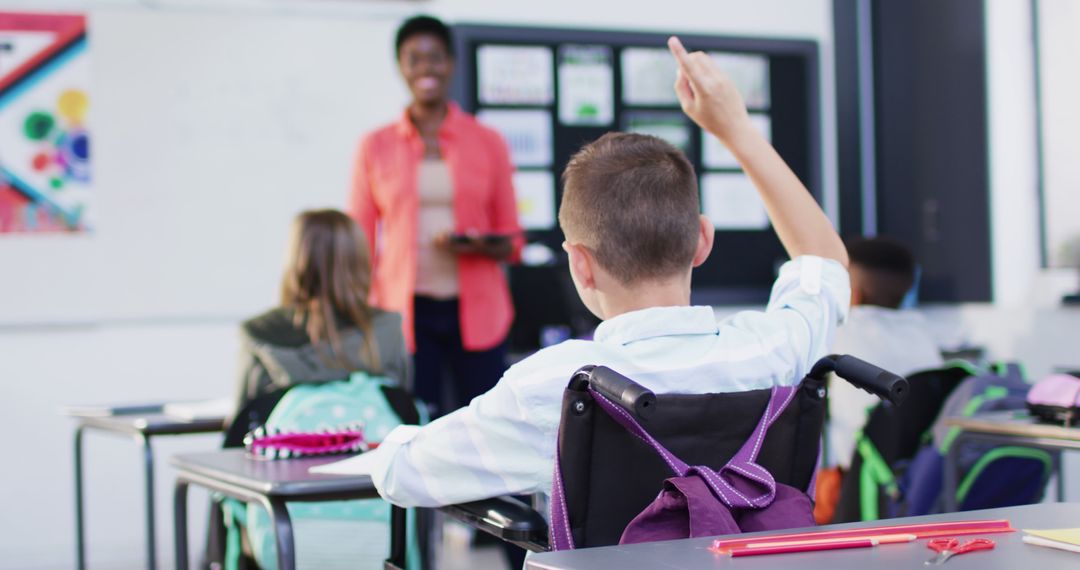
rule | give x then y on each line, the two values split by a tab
862	374
621	390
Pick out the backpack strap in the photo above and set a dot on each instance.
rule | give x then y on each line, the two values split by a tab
402	404
251	416
1011	371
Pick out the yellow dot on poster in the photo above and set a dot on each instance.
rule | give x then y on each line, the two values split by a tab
72	105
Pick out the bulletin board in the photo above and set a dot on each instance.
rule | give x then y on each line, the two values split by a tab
550	91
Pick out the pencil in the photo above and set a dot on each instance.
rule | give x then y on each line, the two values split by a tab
793	548
878	539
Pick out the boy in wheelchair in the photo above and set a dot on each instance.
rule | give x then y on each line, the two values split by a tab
634	233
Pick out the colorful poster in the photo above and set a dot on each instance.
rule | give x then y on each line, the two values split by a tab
586	89
515	75
45	174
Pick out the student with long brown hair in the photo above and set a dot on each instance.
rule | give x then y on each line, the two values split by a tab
323	329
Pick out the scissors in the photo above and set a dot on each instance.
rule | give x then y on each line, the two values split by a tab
948	547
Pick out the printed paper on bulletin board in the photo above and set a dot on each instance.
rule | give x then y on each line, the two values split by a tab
515	75
586	85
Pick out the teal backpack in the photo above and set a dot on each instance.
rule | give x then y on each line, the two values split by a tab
328	535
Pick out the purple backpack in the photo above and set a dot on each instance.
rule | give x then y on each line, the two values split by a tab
697	500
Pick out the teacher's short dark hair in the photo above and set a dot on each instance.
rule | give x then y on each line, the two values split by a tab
424	25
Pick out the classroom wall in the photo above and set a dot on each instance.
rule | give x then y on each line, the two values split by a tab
206	74
1058	21
1026	320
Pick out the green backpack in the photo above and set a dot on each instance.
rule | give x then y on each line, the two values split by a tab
328	535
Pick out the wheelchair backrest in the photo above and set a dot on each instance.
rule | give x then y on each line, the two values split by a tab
610	476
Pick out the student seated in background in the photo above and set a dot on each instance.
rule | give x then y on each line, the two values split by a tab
878	331
323	329
634	233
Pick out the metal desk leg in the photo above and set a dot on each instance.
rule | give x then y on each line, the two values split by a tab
951	466
398	523
283	532
1060	483
180	537
151	537
80	545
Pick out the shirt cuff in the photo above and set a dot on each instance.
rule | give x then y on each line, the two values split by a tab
809	276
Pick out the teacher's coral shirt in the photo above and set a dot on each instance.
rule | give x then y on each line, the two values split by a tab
385	202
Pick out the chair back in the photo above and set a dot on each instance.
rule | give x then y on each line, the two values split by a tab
894	435
610	475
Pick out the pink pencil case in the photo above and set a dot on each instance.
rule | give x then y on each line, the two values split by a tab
278	444
1055	399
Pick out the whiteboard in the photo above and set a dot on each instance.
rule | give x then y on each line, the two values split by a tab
210	132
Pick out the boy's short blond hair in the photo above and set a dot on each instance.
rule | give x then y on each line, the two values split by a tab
633	201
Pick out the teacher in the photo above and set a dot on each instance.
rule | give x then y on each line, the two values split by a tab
433	193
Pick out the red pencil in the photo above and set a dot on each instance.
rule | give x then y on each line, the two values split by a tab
811	547
877	538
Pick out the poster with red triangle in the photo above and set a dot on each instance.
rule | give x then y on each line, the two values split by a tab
45	174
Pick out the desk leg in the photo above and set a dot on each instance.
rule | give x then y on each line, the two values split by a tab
151	537
951	474
398	540
283	532
80	537
1059	474
180	524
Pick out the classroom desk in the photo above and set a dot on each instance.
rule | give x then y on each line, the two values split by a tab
1009	554
1006	428
271	483
143	423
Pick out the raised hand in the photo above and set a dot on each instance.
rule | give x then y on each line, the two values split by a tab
707	95
711	100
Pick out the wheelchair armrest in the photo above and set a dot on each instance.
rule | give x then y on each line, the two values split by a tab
506	518
862	374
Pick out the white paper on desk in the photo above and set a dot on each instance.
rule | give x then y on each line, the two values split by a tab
535	192
731	202
1039	541
363	464
648	77
527	133
749	73
515	75
204	410
715	155
586	89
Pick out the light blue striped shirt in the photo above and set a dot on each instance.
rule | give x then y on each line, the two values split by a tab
504	441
